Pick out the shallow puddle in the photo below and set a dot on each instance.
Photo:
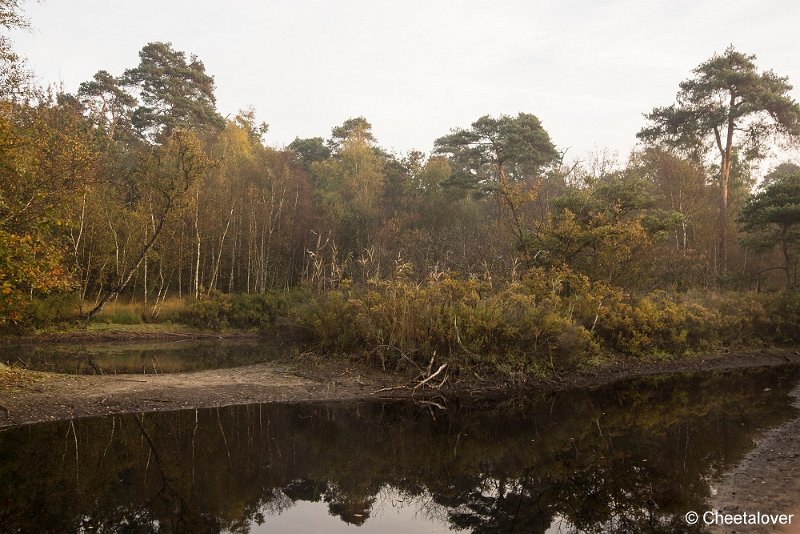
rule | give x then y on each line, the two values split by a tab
152	357
631	457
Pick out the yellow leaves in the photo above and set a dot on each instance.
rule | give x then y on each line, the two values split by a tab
551	318
27	264
236	142
456	317
674	323
352	181
49	158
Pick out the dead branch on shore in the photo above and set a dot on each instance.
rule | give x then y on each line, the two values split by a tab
431	403
431	377
423	379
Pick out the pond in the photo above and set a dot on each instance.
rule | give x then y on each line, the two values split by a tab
630	457
149	357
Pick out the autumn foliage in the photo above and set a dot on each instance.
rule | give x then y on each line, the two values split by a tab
493	249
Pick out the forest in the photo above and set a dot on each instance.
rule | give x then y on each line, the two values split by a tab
133	200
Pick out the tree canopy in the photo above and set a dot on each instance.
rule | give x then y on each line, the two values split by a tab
108	103
772	217
12	72
174	91
135	186
727	106
495	149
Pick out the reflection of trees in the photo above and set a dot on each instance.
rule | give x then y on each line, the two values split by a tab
139	357
502	506
620	459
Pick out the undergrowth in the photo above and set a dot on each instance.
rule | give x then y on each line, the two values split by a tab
548	321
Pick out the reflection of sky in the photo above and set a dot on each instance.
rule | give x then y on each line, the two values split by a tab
590	458
559	526
393	513
417	68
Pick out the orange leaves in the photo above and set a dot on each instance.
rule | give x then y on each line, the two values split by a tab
28	265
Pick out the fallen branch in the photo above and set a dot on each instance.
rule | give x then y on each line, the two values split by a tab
431	403
431	377
442	382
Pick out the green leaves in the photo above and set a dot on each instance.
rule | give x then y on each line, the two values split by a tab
778	204
107	102
496	148
772	217
730	107
175	92
726	95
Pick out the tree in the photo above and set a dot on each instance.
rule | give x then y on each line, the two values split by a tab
246	120
726	105
356	129
107	102
12	73
784	169
164	181
351	184
310	150
175	93
606	228
681	186
772	217
496	150
47	160
498	155
29	265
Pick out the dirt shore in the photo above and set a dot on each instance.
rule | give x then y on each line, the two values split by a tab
33	397
766	480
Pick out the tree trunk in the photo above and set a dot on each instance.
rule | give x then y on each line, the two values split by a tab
215	273
132	270
786	261
724	176
197	242
723	214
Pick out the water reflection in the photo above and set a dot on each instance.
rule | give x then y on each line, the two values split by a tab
142	357
633	457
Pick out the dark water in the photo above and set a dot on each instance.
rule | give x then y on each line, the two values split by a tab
632	457
141	357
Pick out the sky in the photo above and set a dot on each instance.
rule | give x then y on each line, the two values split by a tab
418	68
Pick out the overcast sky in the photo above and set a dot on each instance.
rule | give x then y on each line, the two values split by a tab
416	69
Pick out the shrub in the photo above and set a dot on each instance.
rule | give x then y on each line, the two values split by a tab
551	319
245	311
656	323
52	309
120	313
522	326
783	311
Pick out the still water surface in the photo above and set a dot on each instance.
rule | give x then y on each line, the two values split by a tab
150	357
631	457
